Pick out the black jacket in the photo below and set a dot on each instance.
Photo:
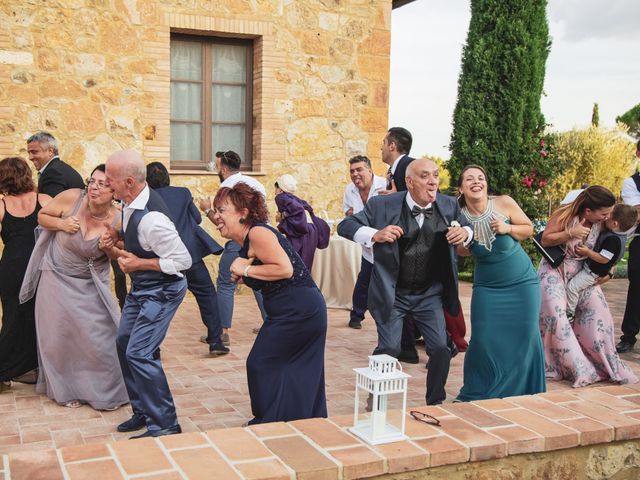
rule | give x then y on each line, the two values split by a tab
58	177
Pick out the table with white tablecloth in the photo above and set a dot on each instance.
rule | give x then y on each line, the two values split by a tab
335	270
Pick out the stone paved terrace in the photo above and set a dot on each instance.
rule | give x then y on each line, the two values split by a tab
211	394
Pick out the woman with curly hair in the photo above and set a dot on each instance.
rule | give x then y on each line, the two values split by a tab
285	368
18	219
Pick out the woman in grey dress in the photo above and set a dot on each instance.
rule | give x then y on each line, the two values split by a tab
76	315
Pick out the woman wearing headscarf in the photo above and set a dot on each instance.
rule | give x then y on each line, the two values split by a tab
295	219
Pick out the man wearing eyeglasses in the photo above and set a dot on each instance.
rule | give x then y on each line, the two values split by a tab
54	175
228	168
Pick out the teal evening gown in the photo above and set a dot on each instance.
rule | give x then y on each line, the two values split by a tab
505	356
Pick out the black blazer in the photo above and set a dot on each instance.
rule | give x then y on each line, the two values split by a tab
58	177
187	219
385	210
401	173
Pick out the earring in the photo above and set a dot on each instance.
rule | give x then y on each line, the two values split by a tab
241	221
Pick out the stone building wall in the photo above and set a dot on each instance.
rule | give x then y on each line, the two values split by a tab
95	73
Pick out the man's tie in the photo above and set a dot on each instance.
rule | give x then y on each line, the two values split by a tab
416	210
389	179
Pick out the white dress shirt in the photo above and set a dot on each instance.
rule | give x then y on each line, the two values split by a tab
41	171
630	193
630	196
352	198
231	180
364	235
158	234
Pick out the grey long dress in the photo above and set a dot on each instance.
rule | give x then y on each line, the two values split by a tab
76	320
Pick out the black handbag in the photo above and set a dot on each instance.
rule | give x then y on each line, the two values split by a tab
553	255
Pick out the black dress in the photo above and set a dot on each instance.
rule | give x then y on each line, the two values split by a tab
18	352
285	368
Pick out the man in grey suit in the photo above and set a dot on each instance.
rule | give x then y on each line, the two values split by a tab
413	235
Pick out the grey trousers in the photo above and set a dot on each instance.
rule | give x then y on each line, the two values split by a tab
585	278
426	309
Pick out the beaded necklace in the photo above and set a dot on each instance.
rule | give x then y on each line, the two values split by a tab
482	231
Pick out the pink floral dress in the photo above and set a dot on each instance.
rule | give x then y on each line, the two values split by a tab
583	352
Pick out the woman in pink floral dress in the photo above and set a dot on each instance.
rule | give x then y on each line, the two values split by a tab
583	351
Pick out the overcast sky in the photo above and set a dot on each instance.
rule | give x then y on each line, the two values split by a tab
594	58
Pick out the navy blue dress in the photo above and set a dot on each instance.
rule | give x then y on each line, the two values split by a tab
285	368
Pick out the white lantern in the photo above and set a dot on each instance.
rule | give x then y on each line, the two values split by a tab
382	379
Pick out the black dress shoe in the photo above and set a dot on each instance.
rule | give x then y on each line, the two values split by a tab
217	349
624	346
136	422
356	324
159	433
409	356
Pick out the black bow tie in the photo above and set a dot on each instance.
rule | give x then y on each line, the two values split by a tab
415	211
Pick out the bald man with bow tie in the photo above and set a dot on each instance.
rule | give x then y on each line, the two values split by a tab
413	235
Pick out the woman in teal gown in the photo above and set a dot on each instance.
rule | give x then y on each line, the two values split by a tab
505	356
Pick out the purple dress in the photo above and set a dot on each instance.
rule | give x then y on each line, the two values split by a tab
583	352
297	226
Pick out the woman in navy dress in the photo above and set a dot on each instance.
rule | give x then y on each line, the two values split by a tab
285	368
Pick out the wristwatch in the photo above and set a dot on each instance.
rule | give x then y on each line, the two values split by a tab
206	211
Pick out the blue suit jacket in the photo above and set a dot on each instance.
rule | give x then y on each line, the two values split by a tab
187	218
385	210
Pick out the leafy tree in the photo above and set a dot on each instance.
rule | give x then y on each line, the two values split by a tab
445	178
595	115
631	118
497	122
597	156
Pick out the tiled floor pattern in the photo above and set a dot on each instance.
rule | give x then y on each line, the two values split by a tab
324	449
211	393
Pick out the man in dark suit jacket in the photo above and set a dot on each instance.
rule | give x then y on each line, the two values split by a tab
187	219
54	176
395	153
415	269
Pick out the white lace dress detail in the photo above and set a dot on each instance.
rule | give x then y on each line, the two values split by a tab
483	234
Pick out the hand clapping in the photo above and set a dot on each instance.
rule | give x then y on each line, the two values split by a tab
579	231
70	225
388	234
499	226
457	235
238	266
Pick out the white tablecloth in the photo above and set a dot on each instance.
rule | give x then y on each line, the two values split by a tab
335	270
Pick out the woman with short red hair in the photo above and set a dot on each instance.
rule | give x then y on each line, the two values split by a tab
285	368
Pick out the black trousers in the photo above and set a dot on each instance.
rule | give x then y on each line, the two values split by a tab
631	320
361	290
120	282
201	286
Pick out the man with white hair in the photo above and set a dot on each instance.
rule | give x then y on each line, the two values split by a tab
154	257
413	235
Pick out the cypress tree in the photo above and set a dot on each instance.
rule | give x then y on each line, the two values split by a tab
595	116
497	122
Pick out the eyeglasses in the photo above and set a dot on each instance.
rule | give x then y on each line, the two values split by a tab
424	418
99	184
